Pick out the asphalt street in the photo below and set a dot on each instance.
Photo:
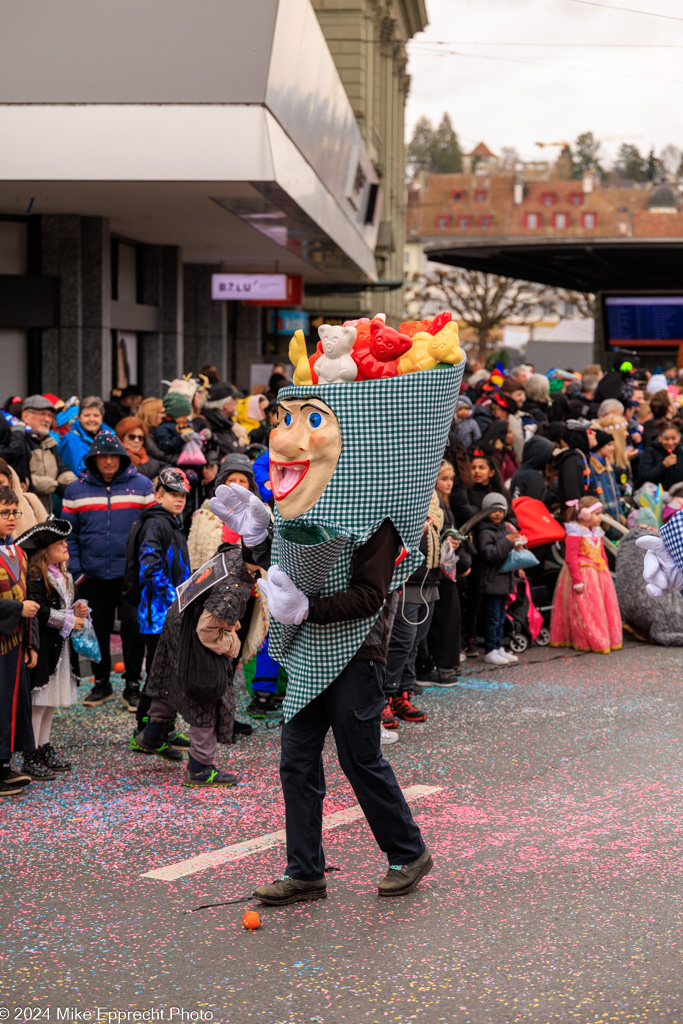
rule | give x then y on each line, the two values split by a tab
552	802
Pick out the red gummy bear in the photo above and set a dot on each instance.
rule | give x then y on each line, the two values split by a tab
376	350
411	327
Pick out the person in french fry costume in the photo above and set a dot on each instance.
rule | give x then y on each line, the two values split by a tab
352	488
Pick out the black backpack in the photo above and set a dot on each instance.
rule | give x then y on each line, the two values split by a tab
202	674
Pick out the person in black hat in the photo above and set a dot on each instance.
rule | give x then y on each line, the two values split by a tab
219	409
56	675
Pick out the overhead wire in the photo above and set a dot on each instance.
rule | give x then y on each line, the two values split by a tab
541	64
627	10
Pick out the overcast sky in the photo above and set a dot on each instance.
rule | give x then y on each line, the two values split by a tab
549	93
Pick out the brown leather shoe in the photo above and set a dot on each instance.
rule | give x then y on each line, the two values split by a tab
290	890
401	879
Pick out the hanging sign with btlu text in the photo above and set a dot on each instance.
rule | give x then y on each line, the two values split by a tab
263	287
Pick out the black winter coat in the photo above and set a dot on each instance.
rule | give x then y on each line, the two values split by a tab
155	452
51	643
572	480
493	547
539	411
14	449
528	481
223	439
651	466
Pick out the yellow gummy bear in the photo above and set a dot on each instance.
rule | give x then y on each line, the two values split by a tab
298	357
445	347
428	350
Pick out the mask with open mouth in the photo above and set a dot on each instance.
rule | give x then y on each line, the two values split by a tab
304	452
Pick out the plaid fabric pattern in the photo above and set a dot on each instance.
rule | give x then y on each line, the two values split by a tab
394	433
672	535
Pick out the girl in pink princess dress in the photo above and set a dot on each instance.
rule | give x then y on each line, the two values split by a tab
586	612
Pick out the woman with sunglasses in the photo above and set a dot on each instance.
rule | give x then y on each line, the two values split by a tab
133	434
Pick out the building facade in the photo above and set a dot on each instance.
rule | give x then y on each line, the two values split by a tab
156	144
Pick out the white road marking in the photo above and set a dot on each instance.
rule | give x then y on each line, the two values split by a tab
213	858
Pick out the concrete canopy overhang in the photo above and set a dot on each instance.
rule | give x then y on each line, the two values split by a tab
579	264
227	135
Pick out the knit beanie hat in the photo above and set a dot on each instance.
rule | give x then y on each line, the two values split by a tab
603	437
493	501
463	403
176	405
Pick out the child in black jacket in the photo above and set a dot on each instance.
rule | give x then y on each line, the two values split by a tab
495	542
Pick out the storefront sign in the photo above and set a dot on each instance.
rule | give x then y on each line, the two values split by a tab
268	288
294	297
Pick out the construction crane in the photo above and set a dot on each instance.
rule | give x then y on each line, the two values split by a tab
608	138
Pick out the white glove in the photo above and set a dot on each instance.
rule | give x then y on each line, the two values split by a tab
660	571
286	602
242	511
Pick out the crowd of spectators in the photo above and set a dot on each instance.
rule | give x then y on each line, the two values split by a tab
554	439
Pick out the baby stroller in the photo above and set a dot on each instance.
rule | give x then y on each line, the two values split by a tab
525	622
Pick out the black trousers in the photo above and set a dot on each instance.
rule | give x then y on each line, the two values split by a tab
443	639
351	706
151	640
410	628
103	596
135	643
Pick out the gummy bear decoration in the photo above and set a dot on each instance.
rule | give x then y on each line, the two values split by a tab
298	357
336	364
377	348
429	350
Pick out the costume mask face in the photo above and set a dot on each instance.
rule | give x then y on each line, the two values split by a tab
304	452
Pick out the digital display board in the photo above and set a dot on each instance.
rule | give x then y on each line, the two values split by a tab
645	321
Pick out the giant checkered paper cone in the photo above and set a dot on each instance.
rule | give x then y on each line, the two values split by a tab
394	432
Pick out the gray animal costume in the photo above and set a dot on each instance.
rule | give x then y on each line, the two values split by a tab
659	620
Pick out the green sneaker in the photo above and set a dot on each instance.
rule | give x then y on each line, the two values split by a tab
210	776
135	747
159	747
178	739
263	705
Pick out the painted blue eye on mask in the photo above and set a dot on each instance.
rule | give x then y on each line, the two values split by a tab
287	419
315	420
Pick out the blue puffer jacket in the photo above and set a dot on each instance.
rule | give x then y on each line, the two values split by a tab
75	445
102	514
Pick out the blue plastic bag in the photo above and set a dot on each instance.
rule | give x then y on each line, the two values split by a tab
85	643
519	558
